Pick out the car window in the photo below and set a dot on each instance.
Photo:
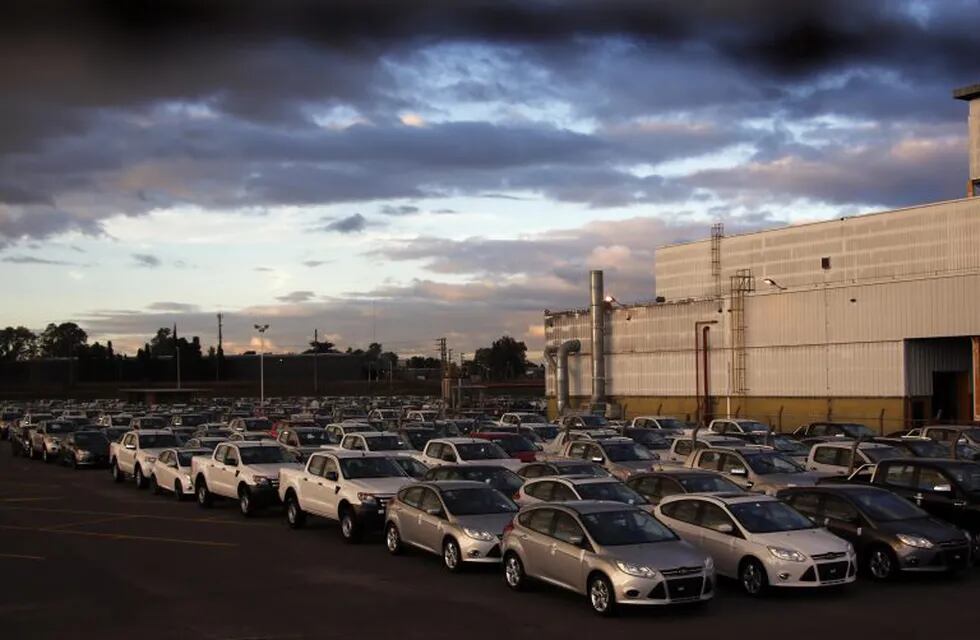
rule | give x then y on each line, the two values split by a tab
563	493
683	510
219	453
730	462
669	487
649	487
806	503
577	450
837	508
412	496
817	430
930	478
709	460
541	490
434	450
316	465
683	447
714	517
566	528
330	466
430	500
533	471
538	520
231	455
825	455
900	475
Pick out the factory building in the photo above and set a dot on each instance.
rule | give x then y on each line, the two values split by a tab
872	319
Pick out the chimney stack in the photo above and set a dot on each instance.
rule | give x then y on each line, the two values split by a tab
971	94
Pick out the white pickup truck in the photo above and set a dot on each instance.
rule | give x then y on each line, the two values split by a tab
244	471
136	452
352	487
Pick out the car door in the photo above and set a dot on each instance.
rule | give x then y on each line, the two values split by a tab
163	469
228	471
935	493
430	519
536	542
719	537
408	513
328	490
565	559
127	453
311	486
842	519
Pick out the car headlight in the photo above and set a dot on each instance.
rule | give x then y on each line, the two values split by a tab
188	480
787	554
637	570
150	459
367	498
478	534
84	454
914	541
709	564
261	480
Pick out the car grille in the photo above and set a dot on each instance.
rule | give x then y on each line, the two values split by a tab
685	588
953	558
681	571
833	555
832	571
383	501
952	543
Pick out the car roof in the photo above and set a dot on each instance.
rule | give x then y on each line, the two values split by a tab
252	443
723	498
351	453
576	479
459	440
848	444
583	507
152	432
454	484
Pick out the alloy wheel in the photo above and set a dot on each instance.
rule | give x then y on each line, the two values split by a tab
513	572
880	564
599	595
450	555
752	579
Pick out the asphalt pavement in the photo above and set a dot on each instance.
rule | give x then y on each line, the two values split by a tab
81	557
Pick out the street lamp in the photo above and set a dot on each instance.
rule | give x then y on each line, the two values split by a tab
775	285
261	328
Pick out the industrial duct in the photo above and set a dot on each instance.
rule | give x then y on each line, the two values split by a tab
597	308
561	370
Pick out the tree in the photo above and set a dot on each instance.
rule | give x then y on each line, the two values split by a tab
18	343
506	358
422	362
162	344
61	340
321	346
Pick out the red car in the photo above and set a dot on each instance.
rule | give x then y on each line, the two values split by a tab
516	445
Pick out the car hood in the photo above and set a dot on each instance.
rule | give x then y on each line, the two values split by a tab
783	480
634	465
930	528
388	486
658	555
156	451
492	522
807	541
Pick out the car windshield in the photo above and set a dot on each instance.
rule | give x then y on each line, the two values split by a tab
611	491
708	484
60	428
386	443
91	439
257	424
184	457
262	455
972	434
789	446
411	466
764	463
152	422
312	437
515	444
633	526
857	431
927	449
503	480
369	467
481	451
477	501
670	423
157	440
192	420
549	432
966	474
581	469
886	506
626	452
649	438
114	433
593	422
418	437
769	516
877	454
750	426
532	418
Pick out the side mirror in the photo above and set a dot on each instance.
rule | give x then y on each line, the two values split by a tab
725	528
131	447
738	471
943	488
598	459
331	476
434	511
577	541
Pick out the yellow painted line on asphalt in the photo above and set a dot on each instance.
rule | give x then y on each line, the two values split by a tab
18	556
121	536
147	516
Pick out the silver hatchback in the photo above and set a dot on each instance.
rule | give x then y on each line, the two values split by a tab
613	553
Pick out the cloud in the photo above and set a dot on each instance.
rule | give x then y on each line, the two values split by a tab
263	269
315	263
400	210
35	260
297	297
177	307
146	260
351	224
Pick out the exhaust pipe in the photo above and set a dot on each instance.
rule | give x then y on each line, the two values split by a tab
598	312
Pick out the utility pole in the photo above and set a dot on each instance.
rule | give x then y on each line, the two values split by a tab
262	328
177	353
441	344
218	354
316	357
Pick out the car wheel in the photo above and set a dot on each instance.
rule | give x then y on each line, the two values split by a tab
154	487
881	563
452	557
393	539
117	474
295	515
178	491
139	477
752	577
350	530
601	595
203	495
514	572
245	504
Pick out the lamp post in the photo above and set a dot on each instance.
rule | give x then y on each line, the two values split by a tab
261	328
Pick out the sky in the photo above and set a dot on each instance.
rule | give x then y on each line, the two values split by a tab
398	171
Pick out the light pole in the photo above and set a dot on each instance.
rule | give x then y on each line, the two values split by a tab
261	328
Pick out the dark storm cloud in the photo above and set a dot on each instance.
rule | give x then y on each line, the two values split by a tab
146	260
350	224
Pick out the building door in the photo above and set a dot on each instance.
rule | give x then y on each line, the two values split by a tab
950	395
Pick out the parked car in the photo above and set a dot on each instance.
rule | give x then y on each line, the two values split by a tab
500	478
753	468
562	468
731	426
556	446
172	472
466	451
416	437
353	488
257	423
666	424
460	521
565	488
376	441
516	445
836	457
89	448
654	440
247	472
205	442
136	453
922	447
45	439
889	533
828	430
657	485
760	541
144	423
611	553
410	466
621	457
949	433
682	448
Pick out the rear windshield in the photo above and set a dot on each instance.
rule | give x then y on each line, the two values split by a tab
473	502
157	440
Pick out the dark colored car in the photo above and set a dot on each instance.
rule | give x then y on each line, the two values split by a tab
417	437
562	468
946	489
515	445
85	449
926	448
889	533
652	439
827	430
657	485
113	434
503	480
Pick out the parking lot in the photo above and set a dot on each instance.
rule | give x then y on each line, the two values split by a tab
82	557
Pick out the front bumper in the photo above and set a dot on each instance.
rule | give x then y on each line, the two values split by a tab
263	495
479	551
937	559
92	461
812	573
666	590
371	516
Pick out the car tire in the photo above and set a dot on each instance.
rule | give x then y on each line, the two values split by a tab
514	574
245	503
204	499
881	563
178	491
117	474
154	487
393	539
452	556
295	516
139	478
752	577
350	529
602	598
